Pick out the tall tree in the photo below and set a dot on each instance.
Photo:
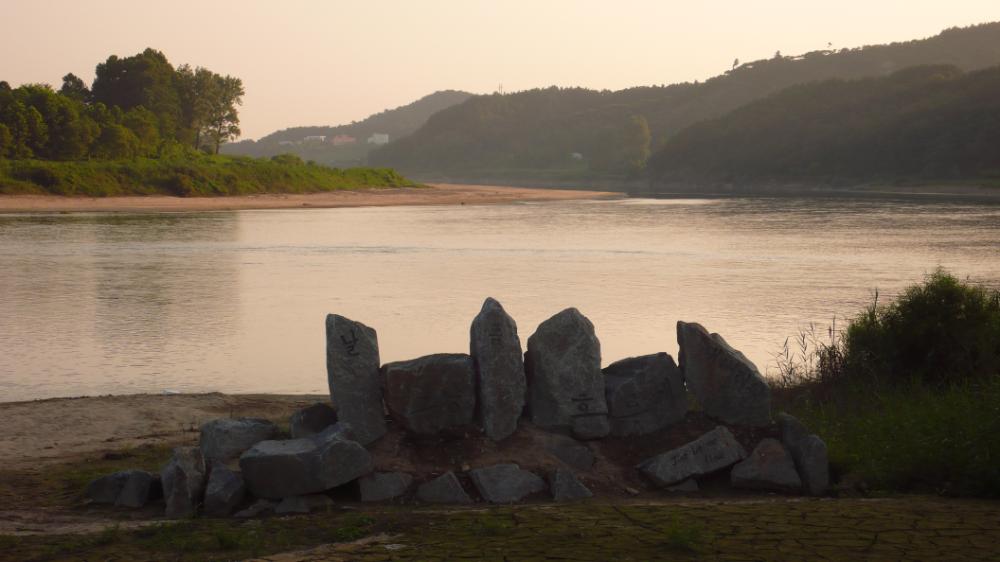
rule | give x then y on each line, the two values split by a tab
145	79
75	88
222	122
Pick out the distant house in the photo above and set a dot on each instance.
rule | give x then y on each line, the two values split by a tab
315	138
379	139
341	140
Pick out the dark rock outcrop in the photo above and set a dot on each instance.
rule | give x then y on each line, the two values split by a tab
644	394
128	488
433	394
496	351
713	451
727	385
352	366
565	384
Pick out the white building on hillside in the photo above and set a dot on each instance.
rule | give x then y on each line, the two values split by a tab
379	139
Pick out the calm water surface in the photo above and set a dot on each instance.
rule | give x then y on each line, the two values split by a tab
235	302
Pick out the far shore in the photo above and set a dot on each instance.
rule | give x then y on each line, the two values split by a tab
434	194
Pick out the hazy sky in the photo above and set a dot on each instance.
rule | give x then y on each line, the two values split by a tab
326	62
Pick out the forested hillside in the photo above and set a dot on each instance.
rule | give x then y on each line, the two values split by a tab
396	123
931	122
576	131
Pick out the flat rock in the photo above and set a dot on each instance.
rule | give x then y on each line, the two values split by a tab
644	394
311	420
727	385
505	483
565	384
225	490
225	439
352	367
499	363
432	395
184	479
809	453
443	489
140	488
304	504
769	467
713	451
382	486
565	486
570	451
297	467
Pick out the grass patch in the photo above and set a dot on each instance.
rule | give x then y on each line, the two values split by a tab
187	175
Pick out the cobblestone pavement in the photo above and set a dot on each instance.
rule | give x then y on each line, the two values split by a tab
908	528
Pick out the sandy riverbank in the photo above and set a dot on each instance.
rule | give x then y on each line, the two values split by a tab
435	194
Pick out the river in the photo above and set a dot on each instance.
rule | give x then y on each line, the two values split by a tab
235	301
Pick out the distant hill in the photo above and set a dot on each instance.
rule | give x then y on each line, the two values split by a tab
573	131
395	123
922	123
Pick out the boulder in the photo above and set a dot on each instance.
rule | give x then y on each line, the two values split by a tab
382	486
226	438
296	467
140	488
433	394
304	504
106	488
570	451
809	453
727	385
505	483
565	486
499	363
225	490
644	394
352	366
713	451
184	482
443	489
565	384
311	420
769	467
258	508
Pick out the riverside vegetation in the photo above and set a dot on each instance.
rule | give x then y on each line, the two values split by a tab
144	127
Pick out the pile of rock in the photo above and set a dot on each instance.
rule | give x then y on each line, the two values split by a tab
247	466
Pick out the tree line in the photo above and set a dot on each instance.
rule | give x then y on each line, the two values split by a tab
136	106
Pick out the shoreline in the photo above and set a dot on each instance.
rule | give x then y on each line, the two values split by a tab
435	194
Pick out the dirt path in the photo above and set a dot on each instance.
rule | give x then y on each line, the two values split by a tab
436	194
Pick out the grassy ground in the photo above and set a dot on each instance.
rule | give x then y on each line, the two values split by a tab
187	175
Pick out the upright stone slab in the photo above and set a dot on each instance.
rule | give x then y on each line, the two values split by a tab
565	384
769	467
727	385
184	482
809	453
496	351
226	438
644	394
352	367
433	394
297	467
713	451
505	483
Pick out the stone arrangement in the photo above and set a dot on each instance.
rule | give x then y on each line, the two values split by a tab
555	390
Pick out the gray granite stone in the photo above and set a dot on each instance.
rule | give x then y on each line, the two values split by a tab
352	366
496	351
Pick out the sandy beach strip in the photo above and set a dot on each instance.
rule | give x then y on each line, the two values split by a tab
435	194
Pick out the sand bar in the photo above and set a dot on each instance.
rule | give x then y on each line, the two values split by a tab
435	194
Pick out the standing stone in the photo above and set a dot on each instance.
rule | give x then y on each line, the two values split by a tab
296	467
443	489
381	486
769	467
727	385
432	394
505	483
311	420
226	438
352	366
644	394
566	487
225	490
809	453
496	352
184	482
140	488
565	384
713	451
